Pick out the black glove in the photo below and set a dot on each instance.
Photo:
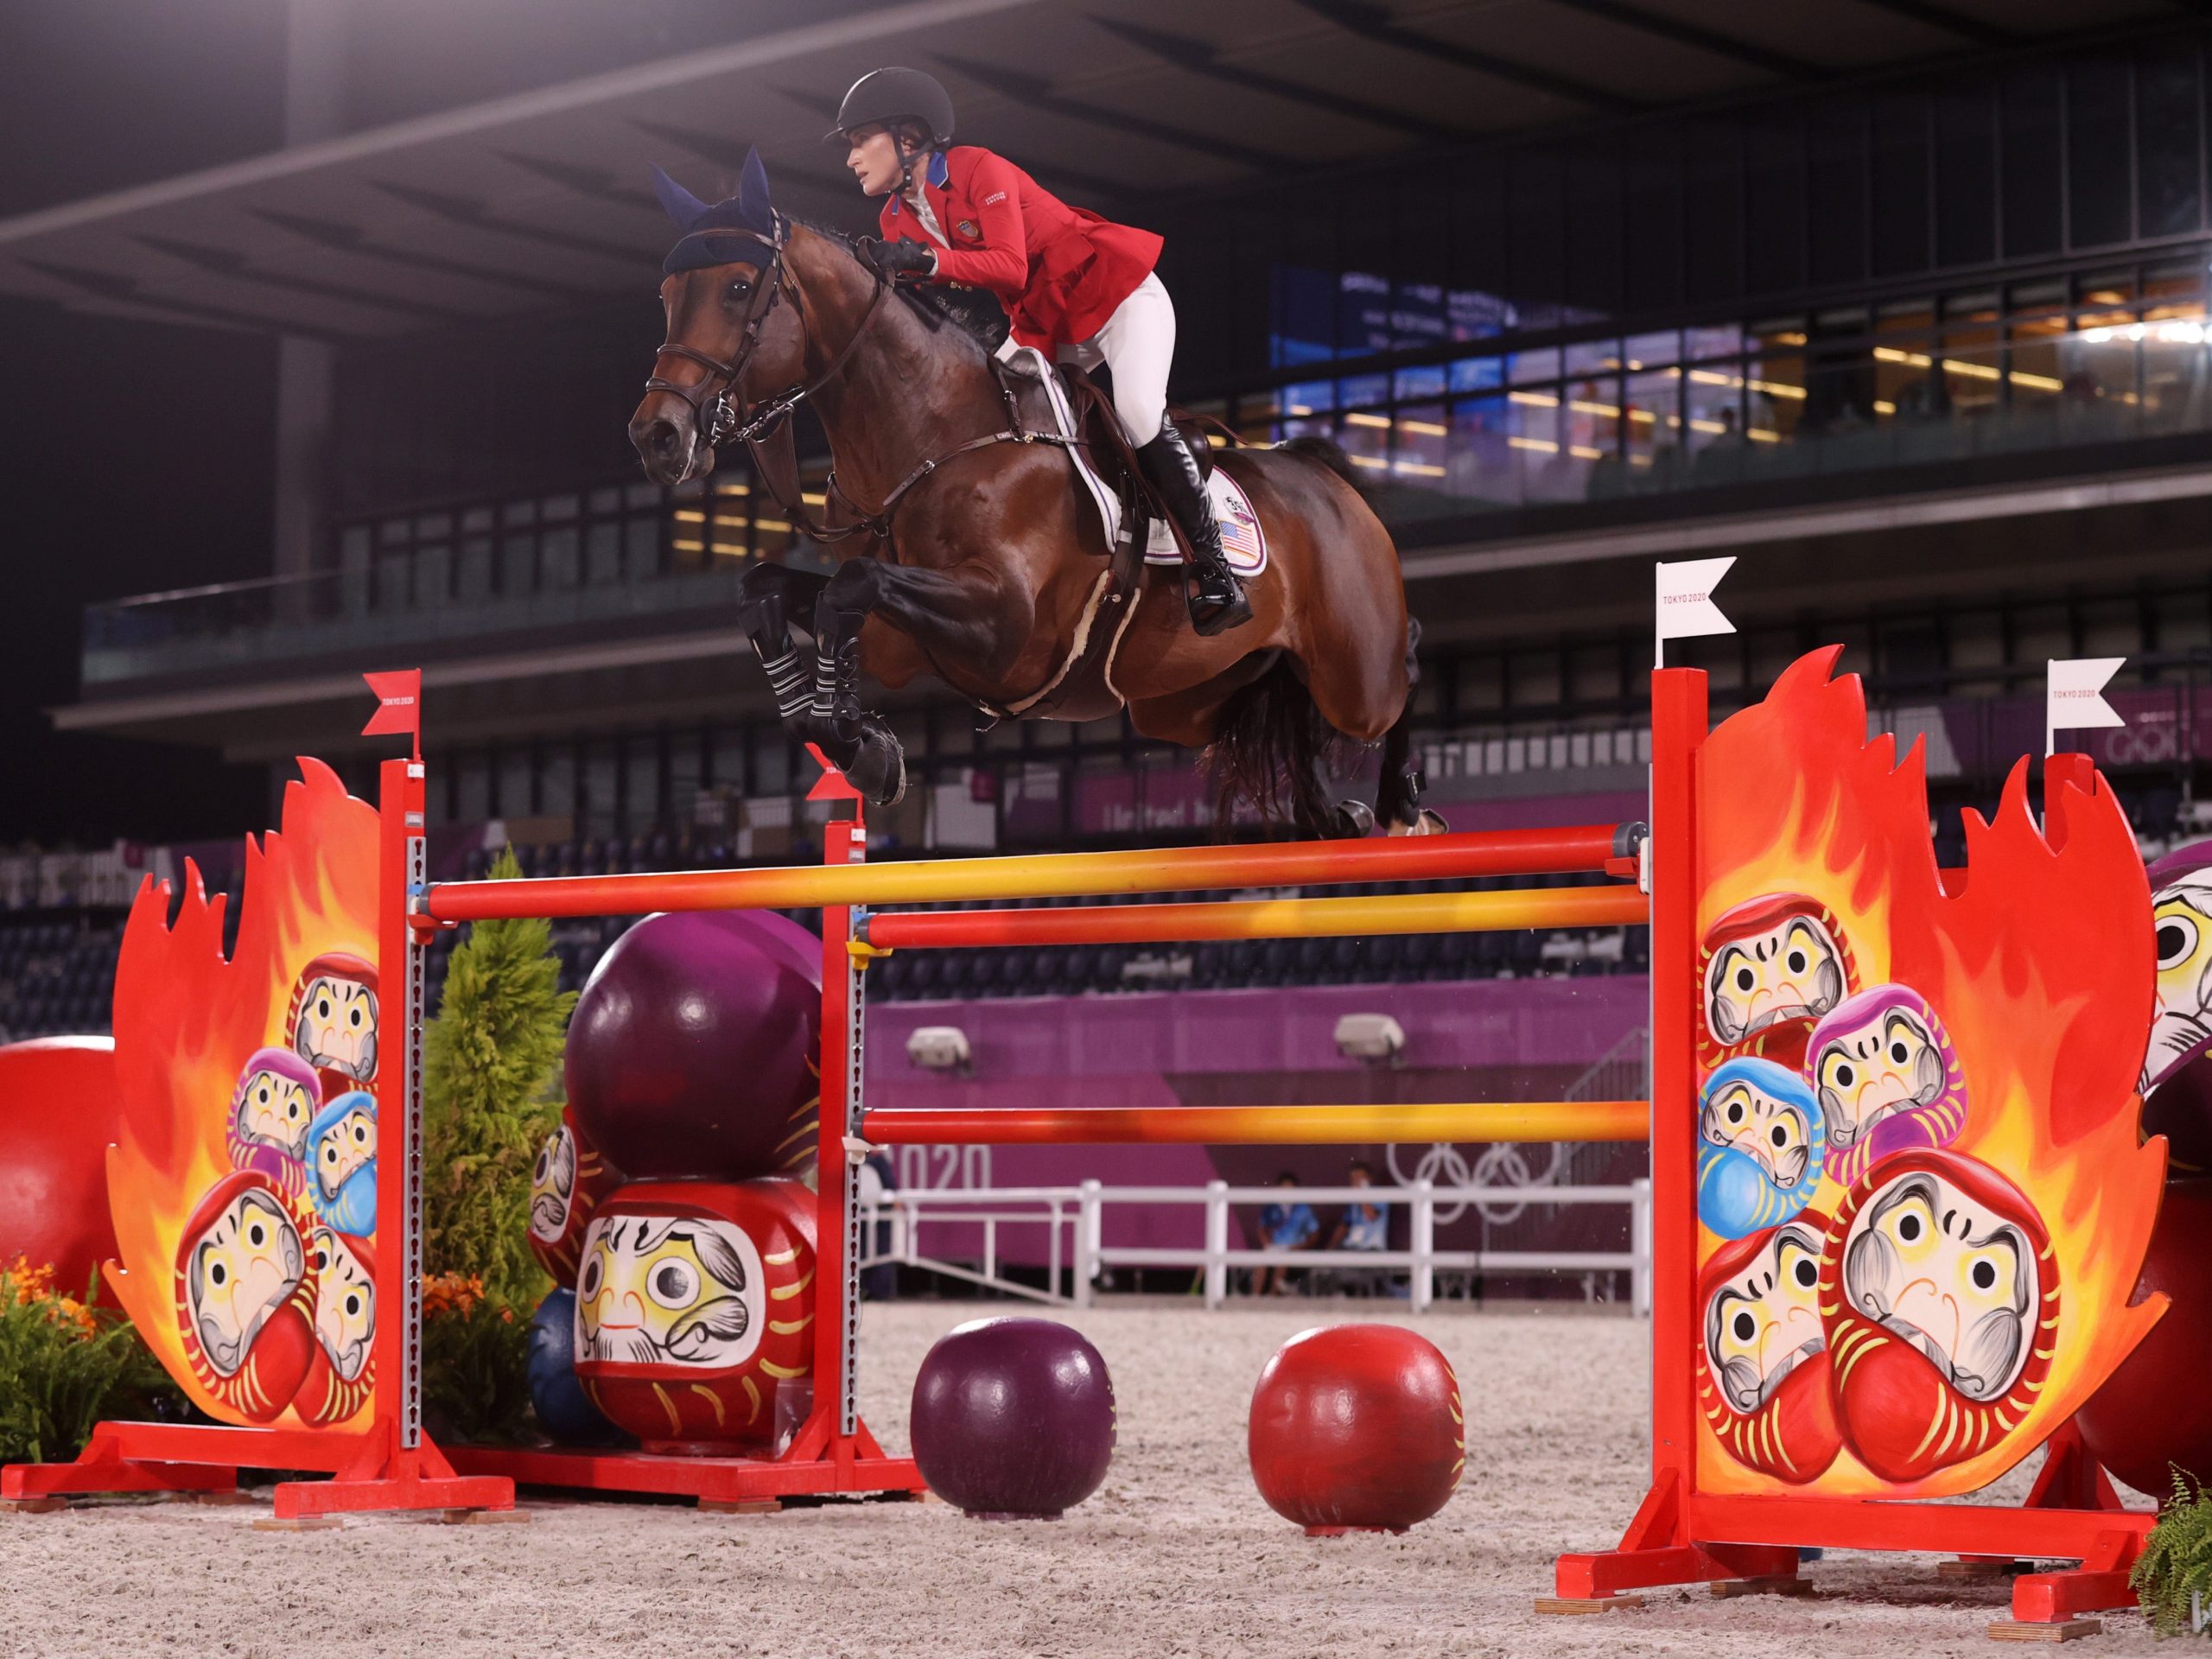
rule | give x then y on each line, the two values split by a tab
901	261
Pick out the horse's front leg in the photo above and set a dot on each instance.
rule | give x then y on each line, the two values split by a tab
769	596
959	615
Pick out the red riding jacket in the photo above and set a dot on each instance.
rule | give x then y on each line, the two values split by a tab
1059	270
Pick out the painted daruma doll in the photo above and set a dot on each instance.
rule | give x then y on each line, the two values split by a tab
343	1371
1773	966
342	1164
1762	1364
1888	1077
694	1304
278	1096
1944	1293
1760	1146
572	1179
332	1024
245	1297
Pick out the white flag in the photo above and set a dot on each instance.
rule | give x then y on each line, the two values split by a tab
1686	607
2074	697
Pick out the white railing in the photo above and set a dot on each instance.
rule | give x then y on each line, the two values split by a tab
1074	1220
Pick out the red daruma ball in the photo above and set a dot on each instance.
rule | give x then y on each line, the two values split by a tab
1013	1419
1357	1428
692	1050
2155	1411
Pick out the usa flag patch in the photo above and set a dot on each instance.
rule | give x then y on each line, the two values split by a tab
1242	538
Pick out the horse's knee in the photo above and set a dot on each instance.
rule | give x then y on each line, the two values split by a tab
853	586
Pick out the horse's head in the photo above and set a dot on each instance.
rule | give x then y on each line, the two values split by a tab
728	331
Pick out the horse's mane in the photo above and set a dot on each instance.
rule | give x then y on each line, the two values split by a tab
974	317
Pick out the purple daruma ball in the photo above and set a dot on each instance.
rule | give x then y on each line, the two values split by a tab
1013	1419
692	1050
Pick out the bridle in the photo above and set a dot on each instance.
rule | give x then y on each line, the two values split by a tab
719	415
718	420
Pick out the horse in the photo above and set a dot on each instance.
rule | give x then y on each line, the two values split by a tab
969	550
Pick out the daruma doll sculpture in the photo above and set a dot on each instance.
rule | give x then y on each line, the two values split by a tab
1357	1428
693	1052
694	1307
572	1179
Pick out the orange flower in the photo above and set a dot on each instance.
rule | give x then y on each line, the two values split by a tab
30	1287
451	1293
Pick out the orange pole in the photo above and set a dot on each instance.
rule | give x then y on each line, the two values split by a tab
1258	1125
1265	918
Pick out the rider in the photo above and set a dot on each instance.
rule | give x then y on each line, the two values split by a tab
1074	285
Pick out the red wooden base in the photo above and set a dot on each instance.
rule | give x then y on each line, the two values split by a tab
818	1463
2071	1513
370	1471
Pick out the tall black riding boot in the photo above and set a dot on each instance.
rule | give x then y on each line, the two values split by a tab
1216	598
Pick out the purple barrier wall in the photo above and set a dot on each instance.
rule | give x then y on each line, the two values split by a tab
1475	1039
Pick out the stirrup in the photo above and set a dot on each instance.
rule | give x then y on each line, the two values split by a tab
1212	614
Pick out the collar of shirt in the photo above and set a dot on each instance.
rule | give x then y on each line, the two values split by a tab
938	173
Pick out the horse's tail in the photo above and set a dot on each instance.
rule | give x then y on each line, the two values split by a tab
1325	452
1269	742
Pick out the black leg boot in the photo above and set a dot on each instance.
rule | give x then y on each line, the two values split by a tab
1216	598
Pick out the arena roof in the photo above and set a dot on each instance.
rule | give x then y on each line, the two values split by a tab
538	202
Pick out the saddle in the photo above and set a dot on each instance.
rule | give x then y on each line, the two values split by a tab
1072	409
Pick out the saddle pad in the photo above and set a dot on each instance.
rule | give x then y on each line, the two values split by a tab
1241	539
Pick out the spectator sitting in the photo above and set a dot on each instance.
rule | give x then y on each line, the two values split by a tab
1289	1225
1364	1225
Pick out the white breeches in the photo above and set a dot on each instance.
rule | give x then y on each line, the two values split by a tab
1138	344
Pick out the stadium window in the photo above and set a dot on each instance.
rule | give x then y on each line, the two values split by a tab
602	552
602	779
1483	467
515	783
642	805
2169	138
474	802
2099	208
559	557
1966	175
2032	119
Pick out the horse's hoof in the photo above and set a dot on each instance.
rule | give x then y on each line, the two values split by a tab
879	769
1355	819
1426	822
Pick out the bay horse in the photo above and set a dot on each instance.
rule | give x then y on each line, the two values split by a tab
969	550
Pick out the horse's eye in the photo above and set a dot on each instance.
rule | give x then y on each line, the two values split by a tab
741	290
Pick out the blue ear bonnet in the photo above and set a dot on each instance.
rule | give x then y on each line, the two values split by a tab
736	232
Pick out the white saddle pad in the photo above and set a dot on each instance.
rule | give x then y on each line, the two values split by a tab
1241	539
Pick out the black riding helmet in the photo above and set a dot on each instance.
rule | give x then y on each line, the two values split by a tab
888	95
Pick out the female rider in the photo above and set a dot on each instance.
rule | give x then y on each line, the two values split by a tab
1076	286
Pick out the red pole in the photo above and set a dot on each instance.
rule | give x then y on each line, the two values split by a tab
1678	730
397	1390
844	844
